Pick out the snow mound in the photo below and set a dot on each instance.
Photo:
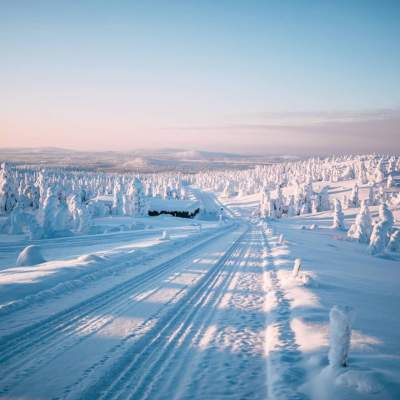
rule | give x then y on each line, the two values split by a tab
361	381
30	255
302	278
87	258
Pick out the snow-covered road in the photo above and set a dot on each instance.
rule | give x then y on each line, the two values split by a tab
111	342
215	314
190	327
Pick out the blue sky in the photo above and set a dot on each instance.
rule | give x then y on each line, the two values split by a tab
219	75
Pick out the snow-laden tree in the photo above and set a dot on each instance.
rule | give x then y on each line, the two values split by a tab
362	174
278	202
348	173
34	230
264	202
117	207
315	204
379	175
362	227
394	242
353	200
85	220
381	196
291	209
25	197
140	208
16	220
389	183
50	211
324	204
381	230
338	216
74	204
8	198
63	216
371	196
229	190
41	184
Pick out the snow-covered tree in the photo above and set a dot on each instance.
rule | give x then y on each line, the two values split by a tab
50	211
324	204
362	174
74	204
34	230
117	207
16	220
371	196
338	216
353	201
139	199
8	197
389	183
394	242
381	230
229	191
63	216
84	219
291	210
379	174
41	187
362	227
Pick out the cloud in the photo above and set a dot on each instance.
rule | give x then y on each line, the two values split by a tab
306	132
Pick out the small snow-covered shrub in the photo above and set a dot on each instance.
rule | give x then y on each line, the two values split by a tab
30	255
339	336
165	235
296	267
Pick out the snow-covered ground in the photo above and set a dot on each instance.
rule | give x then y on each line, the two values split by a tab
205	308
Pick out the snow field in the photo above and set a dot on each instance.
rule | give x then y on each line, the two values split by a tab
250	300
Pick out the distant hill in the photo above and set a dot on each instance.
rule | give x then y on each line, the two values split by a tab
141	161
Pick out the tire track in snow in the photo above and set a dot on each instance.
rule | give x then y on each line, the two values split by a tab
285	375
132	375
169	378
232	364
23	352
80	280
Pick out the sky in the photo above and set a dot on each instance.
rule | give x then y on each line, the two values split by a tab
298	77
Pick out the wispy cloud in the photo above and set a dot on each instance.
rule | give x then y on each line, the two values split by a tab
306	132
